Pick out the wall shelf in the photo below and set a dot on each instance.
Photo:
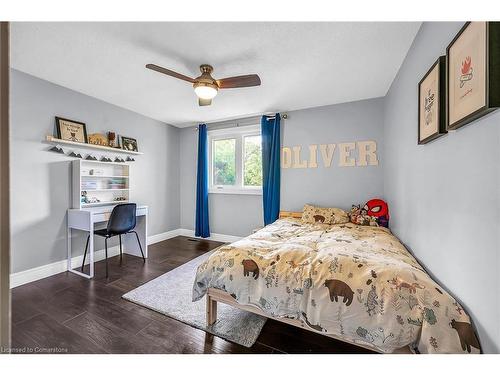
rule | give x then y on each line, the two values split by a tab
95	176
57	141
109	189
104	203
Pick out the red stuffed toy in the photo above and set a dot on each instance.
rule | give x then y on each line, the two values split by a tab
379	209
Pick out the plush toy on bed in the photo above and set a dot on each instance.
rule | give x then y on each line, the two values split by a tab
374	213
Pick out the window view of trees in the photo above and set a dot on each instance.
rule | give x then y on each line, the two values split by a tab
252	161
224	167
236	160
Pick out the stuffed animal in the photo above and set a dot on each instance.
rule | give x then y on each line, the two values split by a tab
374	213
378	209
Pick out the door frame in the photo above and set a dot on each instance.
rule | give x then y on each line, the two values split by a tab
5	299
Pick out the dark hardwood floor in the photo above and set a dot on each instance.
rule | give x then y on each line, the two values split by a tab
68	314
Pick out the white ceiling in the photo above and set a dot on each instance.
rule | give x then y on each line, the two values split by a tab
301	65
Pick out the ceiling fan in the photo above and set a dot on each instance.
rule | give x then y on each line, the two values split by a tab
205	86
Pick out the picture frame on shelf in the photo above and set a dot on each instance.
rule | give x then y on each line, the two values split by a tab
71	130
473	73
432	103
129	144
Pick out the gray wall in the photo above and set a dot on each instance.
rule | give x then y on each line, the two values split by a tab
40	180
335	186
445	196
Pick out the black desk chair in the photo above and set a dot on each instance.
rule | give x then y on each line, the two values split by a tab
121	221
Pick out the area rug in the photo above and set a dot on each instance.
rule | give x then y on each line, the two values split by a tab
170	295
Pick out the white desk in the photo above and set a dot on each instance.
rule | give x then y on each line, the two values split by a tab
84	219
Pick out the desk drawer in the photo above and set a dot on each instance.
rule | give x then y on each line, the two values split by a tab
100	217
104	216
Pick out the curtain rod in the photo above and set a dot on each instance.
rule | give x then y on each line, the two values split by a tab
236	123
284	116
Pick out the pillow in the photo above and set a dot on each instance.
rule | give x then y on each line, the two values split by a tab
324	215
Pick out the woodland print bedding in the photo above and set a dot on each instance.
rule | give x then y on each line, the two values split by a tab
354	282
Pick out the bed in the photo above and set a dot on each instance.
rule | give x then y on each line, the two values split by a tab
354	283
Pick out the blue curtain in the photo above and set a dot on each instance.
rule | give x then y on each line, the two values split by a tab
270	129
202	228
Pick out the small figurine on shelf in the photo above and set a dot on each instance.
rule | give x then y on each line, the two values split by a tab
83	198
93	200
112	139
98	139
96	172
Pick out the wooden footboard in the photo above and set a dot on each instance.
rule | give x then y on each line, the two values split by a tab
217	295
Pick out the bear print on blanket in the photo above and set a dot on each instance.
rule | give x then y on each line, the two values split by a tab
337	289
466	334
250	266
319	218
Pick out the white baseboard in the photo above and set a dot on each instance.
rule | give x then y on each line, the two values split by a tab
163	236
213	236
37	273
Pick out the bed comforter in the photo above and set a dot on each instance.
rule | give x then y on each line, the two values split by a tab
357	283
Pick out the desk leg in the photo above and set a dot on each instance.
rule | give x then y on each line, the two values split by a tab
91	250
70	265
130	245
68	244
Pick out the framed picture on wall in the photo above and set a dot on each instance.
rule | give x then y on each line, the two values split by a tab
432	102
70	130
129	144
473	73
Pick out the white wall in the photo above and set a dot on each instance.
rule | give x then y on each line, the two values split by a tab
40	180
334	186
445	196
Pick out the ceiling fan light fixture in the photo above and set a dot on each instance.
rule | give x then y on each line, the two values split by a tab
205	91
205	86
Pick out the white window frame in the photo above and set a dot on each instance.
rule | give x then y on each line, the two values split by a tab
238	133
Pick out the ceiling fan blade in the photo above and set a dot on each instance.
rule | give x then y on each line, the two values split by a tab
248	80
169	72
203	102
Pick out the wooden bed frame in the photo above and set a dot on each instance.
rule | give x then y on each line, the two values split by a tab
217	295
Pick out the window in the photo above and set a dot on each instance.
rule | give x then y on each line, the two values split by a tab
236	160
224	162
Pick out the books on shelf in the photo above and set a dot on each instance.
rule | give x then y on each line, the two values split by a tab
110	184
